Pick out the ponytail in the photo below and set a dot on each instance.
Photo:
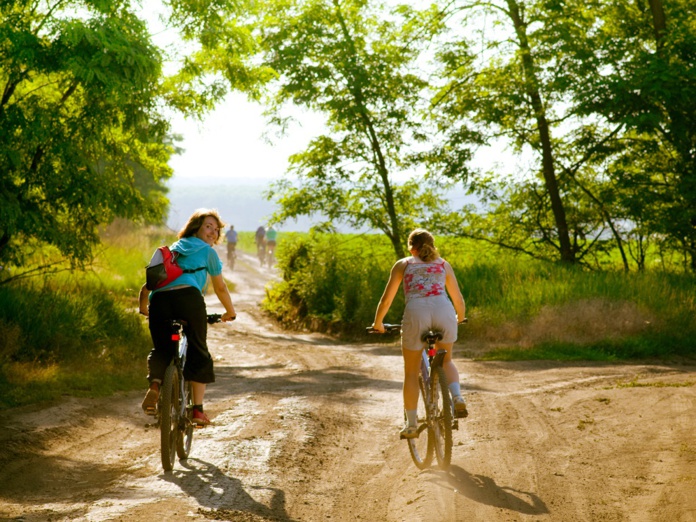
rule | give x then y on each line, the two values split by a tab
423	241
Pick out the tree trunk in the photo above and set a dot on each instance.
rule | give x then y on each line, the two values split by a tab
379	162
548	169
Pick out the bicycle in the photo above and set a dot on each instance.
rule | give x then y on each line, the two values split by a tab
231	255
435	407
270	253
174	413
261	252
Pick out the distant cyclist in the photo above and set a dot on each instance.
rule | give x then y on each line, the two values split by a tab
231	237
427	279
271	237
260	239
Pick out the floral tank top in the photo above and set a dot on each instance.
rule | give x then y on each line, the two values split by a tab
424	279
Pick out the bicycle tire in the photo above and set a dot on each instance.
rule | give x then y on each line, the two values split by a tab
185	439
169	419
422	448
441	421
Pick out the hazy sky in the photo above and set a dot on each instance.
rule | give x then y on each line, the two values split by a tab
230	143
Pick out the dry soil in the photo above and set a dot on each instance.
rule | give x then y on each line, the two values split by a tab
306	429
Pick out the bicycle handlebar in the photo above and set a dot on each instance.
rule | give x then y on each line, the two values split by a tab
393	328
388	328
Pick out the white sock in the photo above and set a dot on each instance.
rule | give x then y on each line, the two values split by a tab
455	389
412	417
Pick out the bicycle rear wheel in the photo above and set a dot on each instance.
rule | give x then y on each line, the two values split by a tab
169	420
185	439
441	420
421	448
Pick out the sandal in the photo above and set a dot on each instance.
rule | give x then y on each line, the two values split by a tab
149	404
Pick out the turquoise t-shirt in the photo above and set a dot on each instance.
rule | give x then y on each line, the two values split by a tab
194	253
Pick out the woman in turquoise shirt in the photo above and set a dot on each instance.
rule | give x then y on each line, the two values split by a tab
183	299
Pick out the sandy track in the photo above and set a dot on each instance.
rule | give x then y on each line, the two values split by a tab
305	429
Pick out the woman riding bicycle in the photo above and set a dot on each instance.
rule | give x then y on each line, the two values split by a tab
182	299
427	279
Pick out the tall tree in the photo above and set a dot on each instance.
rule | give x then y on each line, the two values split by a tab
573	84
83	132
355	63
80	138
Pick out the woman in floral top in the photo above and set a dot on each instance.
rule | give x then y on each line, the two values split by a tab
427	280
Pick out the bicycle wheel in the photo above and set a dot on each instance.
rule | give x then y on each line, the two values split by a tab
422	448
185	439
169	420
441	417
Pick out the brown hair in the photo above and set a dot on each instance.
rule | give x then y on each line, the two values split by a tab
195	222
424	243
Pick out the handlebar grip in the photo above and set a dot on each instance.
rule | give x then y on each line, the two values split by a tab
388	328
214	318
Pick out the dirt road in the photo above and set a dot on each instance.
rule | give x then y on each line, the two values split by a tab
305	429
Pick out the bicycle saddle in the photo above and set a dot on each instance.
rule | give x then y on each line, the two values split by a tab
430	335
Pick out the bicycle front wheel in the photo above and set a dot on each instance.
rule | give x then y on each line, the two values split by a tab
441	417
169	420
422	448
185	439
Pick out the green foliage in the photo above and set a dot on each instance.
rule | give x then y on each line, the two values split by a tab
357	64
81	141
89	334
599	97
517	308
83	133
330	281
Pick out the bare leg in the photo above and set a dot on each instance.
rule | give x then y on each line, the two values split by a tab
451	371
412	359
198	390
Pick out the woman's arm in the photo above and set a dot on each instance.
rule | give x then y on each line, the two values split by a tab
223	295
143	301
454	292
395	278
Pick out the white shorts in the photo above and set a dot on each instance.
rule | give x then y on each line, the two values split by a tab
428	313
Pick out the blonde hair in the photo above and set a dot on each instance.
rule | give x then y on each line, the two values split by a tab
195	222
423	241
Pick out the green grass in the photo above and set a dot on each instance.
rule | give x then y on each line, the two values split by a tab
518	308
77	332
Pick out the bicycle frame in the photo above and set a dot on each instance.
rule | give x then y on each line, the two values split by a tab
180	362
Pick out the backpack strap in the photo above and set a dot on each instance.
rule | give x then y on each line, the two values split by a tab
192	270
175	256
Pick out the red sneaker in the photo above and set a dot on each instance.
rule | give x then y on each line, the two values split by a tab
200	418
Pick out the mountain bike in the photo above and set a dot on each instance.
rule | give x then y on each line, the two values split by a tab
261	252
174	413
435	408
231	255
270	253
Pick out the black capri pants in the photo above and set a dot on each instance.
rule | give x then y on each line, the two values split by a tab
184	304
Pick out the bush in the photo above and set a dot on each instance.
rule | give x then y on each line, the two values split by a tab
530	308
78	332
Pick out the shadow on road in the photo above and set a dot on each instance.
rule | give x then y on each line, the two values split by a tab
225	496
484	490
